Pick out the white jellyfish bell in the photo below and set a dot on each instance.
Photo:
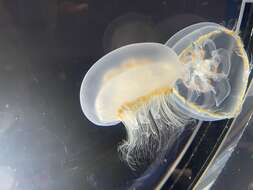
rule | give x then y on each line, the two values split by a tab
218	70
200	73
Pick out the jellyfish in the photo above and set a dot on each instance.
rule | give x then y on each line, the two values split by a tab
155	89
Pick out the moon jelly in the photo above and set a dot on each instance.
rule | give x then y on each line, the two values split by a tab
154	89
218	70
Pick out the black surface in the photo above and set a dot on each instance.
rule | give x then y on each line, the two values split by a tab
46	47
198	155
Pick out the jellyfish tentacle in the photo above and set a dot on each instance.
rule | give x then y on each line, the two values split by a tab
152	138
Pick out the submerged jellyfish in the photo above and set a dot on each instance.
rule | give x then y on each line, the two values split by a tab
201	73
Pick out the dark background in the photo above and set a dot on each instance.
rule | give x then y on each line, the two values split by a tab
46	47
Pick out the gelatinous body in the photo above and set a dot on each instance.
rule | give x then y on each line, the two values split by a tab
156	90
124	75
218	72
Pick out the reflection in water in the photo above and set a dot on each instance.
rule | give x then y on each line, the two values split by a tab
128	29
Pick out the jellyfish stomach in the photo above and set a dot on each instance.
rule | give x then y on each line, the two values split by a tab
207	72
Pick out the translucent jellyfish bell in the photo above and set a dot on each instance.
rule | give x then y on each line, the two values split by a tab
218	70
126	75
187	30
